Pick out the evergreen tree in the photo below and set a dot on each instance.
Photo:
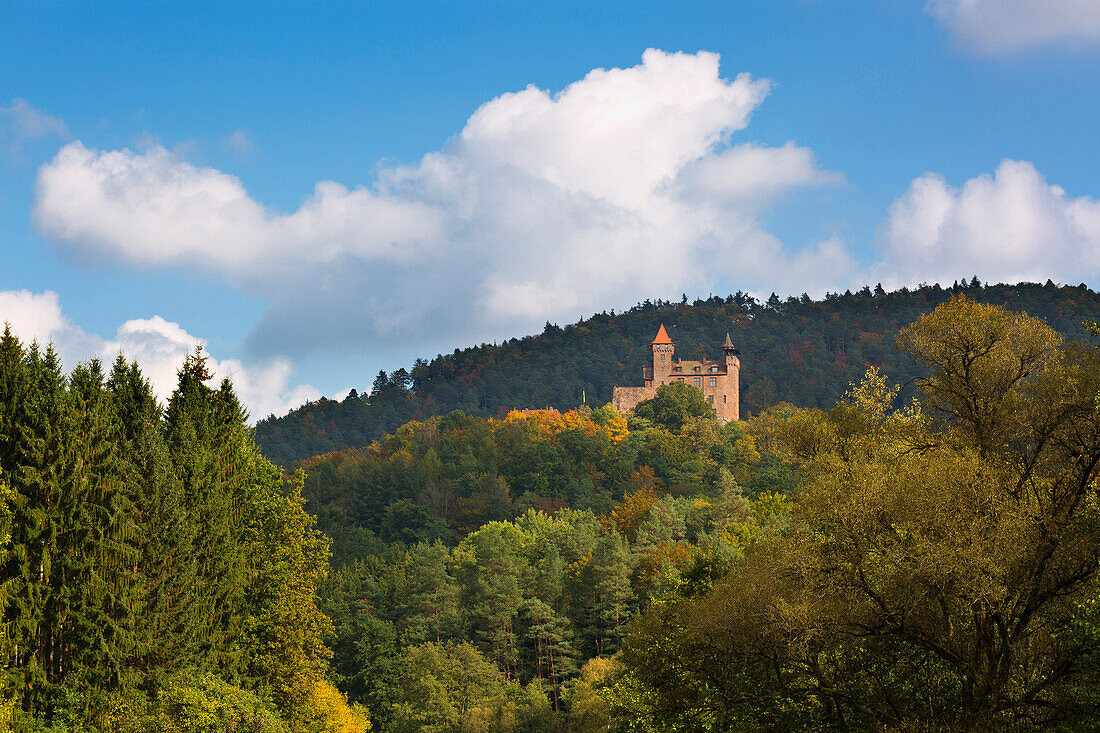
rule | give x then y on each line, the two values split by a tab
613	592
428	610
165	630
96	554
204	442
495	596
38	449
552	636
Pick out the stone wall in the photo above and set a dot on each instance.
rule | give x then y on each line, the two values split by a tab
625	399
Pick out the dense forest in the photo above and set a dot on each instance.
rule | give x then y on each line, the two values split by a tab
919	555
796	350
927	563
157	573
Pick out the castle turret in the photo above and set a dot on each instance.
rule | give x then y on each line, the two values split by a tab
663	349
732	409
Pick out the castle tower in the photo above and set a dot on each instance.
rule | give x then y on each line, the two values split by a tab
663	349
732	408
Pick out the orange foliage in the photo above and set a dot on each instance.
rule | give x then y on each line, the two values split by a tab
677	555
551	423
632	511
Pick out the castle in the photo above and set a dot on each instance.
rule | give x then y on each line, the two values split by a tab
718	380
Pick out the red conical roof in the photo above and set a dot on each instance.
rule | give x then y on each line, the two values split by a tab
662	336
729	343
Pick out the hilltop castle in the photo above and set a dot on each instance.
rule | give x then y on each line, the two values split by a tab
718	380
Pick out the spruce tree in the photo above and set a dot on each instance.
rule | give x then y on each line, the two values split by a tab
95	567
38	446
165	631
204	448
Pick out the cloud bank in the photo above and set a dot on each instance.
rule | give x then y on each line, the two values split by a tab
159	346
626	184
1008	227
1005	26
546	206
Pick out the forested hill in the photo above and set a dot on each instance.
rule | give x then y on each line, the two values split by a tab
799	350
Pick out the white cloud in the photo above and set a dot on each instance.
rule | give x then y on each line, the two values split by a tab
546	206
1008	227
159	347
155	209
1004	26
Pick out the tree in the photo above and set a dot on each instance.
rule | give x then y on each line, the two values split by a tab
613	593
495	595
164	536
673	405
205	437
95	567
439	684
428	609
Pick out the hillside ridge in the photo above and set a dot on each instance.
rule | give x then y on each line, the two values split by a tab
798	350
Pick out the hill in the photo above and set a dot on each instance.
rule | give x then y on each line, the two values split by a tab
799	350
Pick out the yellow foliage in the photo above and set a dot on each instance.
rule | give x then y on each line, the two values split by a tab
616	428
588	711
599	669
332	711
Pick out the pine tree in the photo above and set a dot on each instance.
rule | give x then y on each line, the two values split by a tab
552	635
495	596
614	595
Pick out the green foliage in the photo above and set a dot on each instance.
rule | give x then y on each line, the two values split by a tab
138	543
935	572
674	405
454	688
211	705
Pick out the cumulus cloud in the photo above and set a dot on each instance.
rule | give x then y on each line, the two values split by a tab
21	123
1009	226
624	185
155	209
1004	26
159	346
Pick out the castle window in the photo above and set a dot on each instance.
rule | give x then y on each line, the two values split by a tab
723	398
695	369
714	381
698	382
714	370
710	398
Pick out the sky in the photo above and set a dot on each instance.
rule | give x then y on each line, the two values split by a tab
313	192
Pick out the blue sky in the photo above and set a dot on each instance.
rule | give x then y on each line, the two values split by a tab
316	191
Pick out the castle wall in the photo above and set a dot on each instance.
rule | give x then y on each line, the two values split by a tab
625	399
